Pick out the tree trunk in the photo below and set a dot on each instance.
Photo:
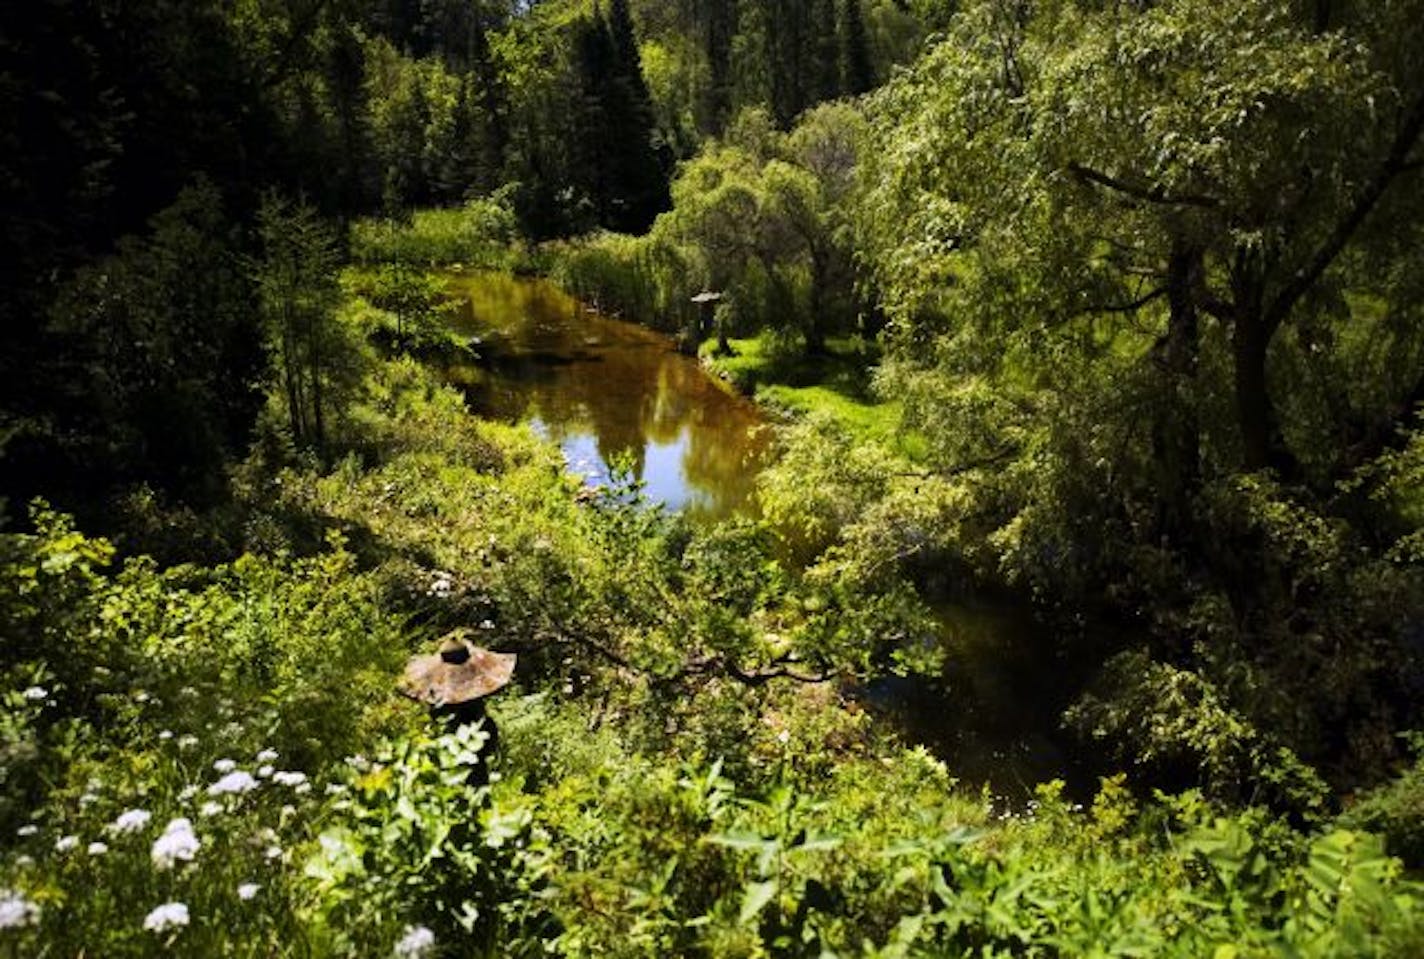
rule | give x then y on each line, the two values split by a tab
319	428
1176	435
1263	445
815	324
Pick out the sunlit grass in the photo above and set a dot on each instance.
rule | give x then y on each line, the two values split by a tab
837	383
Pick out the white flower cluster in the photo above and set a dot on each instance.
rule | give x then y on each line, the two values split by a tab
177	844
286	778
170	915
224	765
132	820
36	694
418	941
233	784
16	910
441	585
247	890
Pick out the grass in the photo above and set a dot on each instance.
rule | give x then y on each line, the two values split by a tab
837	383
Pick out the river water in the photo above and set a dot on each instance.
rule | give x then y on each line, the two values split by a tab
608	391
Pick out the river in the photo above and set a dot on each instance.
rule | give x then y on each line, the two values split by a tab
608	392
612	392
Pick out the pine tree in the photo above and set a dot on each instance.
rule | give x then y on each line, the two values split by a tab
823	61
857	74
721	27
627	178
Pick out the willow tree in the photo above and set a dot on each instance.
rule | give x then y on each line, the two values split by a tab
1168	178
1153	278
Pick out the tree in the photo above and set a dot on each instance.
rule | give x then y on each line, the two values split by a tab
634	183
1142	264
857	74
1216	163
154	356
298	291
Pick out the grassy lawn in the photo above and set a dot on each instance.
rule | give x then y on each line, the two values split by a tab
837	383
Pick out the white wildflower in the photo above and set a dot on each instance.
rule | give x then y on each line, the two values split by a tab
24	860
187	741
487	624
359	763
234	783
335	789
66	843
301	789
27	830
210	809
267	756
265	772
418	941
187	793
783	737
36	694
88	799
178	843
132	820
247	891
287	811
16	910
273	852
141	696
98	848
285	778
170	915
165	735
224	765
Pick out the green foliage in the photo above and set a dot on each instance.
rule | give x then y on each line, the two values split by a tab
159	355
1176	723
1395	811
143	690
760	217
412	843
480	234
299	294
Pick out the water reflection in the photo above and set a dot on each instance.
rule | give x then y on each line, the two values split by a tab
606	390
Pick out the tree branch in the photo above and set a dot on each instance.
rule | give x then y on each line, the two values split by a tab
1130	307
991	459
1395	163
1154	193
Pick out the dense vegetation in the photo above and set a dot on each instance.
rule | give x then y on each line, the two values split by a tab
1110	311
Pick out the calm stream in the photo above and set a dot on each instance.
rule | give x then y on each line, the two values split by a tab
608	391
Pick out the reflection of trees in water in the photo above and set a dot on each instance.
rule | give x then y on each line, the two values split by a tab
625	386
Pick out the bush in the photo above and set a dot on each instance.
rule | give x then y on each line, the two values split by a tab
483	233
1395	811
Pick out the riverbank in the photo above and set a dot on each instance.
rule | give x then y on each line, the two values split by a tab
838	383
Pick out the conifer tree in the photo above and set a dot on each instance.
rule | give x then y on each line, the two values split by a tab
857	74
